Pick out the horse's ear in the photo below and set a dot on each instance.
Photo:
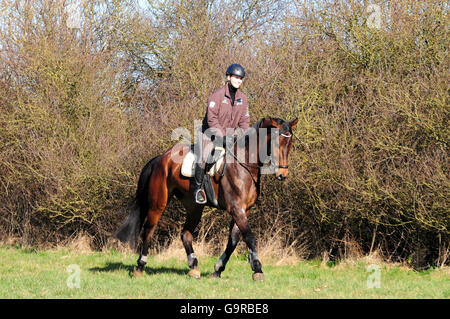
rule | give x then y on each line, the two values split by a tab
293	123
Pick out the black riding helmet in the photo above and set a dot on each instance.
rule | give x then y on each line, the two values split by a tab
236	69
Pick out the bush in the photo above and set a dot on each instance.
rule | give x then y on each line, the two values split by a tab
84	109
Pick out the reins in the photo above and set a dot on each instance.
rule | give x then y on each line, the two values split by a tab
244	165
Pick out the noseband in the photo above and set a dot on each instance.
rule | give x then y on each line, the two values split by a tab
288	135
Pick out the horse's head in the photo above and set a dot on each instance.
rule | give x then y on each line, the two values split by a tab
281	143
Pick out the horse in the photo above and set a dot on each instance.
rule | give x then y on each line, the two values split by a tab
237	187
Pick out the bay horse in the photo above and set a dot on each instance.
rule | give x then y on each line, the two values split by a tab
237	189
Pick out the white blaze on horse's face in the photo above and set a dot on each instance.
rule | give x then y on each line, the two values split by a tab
281	151
281	145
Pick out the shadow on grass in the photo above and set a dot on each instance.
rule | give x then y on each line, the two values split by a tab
111	267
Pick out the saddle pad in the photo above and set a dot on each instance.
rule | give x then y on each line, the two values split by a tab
188	166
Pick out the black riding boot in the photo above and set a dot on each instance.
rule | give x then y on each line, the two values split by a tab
199	194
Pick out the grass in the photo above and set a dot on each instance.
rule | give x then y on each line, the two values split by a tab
31	273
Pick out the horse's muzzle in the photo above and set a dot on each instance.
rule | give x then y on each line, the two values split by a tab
281	175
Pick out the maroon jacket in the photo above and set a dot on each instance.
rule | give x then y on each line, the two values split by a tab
220	114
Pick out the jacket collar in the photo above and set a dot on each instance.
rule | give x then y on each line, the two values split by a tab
227	92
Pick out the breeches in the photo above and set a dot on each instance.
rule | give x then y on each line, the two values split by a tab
203	150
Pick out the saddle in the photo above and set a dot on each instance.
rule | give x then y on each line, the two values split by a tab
214	162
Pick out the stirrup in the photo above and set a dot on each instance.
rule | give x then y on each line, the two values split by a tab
200	192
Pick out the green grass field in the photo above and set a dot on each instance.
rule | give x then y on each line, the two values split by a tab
29	273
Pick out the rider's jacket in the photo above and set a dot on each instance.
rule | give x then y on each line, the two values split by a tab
220	114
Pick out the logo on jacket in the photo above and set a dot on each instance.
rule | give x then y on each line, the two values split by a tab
239	102
211	104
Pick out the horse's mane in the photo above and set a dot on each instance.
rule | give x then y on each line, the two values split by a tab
243	140
258	123
278	120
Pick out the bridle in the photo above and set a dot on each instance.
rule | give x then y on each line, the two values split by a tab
246	165
289	135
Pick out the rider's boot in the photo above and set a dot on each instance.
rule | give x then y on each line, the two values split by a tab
199	193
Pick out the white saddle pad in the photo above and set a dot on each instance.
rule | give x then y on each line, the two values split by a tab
188	166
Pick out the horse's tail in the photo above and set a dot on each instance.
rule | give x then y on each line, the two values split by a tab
131	227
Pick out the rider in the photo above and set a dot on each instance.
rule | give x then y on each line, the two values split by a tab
227	109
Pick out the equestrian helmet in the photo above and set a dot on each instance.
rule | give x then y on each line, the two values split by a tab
236	69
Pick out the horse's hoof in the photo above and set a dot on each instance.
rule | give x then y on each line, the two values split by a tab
215	275
137	273
194	273
258	276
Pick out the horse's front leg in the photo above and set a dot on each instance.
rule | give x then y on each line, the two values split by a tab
240	218
233	239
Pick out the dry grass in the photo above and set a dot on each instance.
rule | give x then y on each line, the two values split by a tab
82	243
375	258
176	250
274	251
270	250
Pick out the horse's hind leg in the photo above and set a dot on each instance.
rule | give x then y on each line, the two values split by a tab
157	201
233	239
192	220
149	230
